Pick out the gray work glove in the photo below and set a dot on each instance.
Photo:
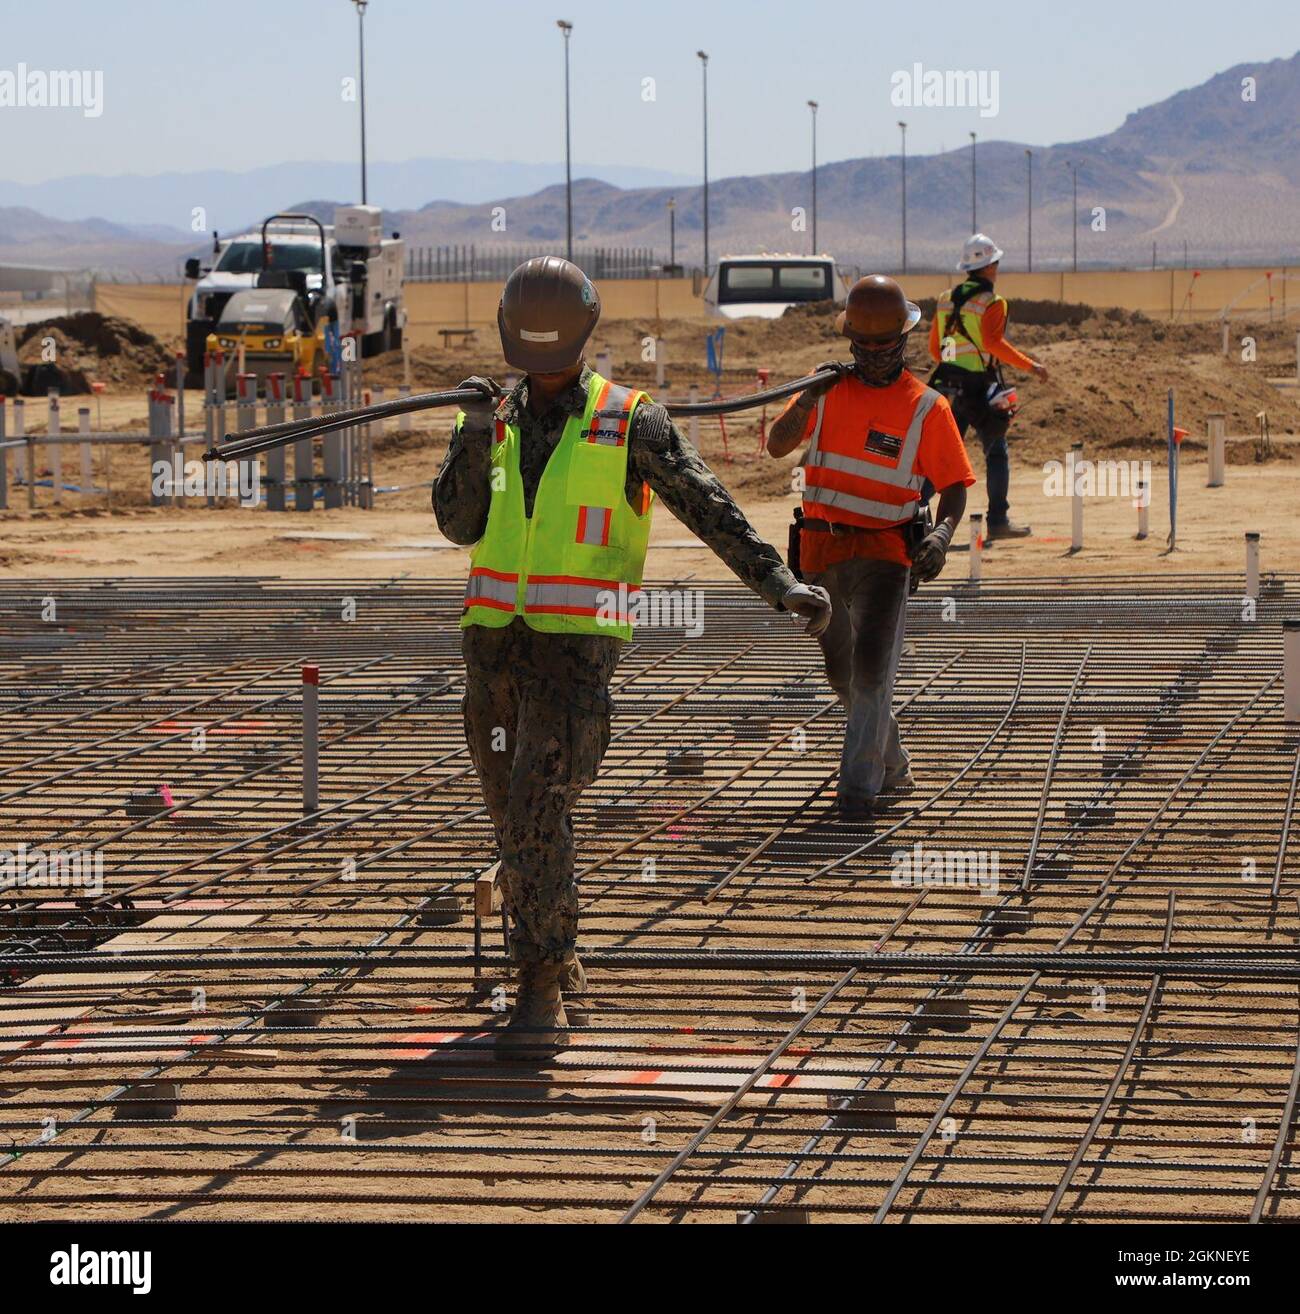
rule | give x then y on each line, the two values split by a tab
929	557
809	395
811	602
479	414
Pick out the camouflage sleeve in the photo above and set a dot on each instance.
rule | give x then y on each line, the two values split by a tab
661	456
462	491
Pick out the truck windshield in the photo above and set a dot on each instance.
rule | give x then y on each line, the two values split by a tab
246	257
771	280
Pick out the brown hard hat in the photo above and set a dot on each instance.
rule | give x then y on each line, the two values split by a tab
548	310
876	308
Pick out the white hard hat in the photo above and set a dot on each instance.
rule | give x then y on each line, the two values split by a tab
979	250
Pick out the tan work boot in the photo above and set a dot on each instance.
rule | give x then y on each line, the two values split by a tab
573	977
1007	529
538	1023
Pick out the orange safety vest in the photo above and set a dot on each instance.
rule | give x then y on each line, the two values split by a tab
858	472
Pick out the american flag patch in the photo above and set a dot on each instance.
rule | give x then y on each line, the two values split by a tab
883	444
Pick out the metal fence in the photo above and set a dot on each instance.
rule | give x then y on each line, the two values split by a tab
459	264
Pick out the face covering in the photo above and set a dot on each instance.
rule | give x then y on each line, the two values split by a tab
878	369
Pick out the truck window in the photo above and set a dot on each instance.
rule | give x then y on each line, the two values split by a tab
749	278
246	257
805	279
774	281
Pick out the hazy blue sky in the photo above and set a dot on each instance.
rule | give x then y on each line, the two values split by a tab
193	84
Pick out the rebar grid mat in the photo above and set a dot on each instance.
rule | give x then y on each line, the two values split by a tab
1059	981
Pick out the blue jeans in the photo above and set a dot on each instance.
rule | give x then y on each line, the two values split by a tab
862	646
991	429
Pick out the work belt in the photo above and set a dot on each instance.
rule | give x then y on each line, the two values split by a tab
838	529
914	530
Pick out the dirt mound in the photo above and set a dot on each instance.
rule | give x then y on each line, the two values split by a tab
1110	373
70	352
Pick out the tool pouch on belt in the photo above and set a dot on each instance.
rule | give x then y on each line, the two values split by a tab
914	532
969	388
792	549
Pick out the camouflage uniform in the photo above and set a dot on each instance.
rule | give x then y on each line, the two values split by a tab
537	706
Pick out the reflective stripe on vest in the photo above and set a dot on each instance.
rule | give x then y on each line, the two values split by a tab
593	525
565	595
491	588
900	475
609	420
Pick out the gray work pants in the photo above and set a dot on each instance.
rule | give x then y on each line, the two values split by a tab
862	646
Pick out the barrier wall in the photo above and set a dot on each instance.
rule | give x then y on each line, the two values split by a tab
157	307
434	306
1163	294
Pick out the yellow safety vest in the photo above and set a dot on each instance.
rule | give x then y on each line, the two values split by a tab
956	346
575	565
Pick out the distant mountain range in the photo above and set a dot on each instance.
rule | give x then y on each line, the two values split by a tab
1214	169
231	198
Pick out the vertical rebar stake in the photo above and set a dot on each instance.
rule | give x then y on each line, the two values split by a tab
310	741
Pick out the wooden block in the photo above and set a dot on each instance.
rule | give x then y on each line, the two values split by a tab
487	894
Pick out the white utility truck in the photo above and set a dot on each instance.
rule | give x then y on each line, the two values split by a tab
348	276
764	285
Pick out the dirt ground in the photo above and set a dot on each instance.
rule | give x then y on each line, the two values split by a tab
1108	386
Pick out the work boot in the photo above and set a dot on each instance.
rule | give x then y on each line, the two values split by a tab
1007	529
538	1023
899	787
573	977
856	811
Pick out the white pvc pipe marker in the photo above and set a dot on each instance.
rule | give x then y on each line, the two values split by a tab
1144	505
1218	444
1252	566
87	463
1076	502
54	450
976	543
310	740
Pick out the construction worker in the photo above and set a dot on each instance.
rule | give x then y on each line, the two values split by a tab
554	484
966	338
875	435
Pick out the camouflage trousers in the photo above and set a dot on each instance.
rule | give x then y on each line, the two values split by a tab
537	714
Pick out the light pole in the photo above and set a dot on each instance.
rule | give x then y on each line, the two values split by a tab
974	223
704	65
567	29
903	126
1074	215
361	49
672	234
812	105
1029	208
